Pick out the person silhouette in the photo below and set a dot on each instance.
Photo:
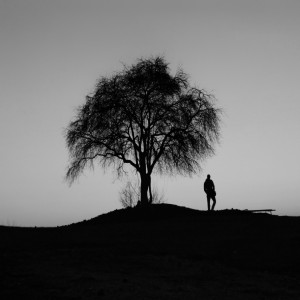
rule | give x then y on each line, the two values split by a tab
209	189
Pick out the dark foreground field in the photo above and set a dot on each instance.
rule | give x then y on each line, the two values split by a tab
168	252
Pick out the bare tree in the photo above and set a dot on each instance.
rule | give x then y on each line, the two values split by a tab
130	195
146	118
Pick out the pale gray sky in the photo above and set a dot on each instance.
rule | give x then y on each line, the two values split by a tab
51	53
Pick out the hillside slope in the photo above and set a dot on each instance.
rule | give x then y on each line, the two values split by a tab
167	252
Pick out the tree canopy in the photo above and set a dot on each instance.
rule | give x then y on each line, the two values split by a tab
147	118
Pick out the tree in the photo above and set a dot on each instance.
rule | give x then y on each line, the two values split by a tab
145	118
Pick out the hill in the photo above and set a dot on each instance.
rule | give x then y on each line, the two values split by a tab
158	212
167	252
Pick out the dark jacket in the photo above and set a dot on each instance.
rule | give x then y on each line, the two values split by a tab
209	187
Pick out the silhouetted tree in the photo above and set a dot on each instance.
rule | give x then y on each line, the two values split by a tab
146	118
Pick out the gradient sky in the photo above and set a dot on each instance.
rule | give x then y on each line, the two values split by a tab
247	53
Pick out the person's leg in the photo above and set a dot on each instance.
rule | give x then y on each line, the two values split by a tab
208	202
214	202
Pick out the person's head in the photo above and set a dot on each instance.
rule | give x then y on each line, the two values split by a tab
208	176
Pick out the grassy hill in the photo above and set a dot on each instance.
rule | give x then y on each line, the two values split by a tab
166	252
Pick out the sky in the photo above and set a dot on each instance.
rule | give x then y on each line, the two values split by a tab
246	53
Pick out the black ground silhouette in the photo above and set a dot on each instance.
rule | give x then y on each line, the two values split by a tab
167	252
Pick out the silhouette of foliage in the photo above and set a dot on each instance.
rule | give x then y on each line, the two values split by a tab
144	117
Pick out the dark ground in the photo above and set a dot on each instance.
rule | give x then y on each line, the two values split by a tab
169	252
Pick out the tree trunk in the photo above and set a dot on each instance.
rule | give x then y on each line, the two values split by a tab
144	190
150	190
144	181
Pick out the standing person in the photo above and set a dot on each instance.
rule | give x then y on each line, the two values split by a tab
210	191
